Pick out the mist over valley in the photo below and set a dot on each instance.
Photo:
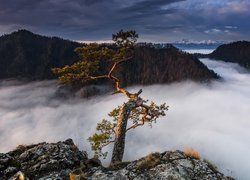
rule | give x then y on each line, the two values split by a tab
212	118
162	88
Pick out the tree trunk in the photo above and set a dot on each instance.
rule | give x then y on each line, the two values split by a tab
120	131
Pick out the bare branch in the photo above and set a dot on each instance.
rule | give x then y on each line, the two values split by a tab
116	80
139	92
98	77
135	126
116	64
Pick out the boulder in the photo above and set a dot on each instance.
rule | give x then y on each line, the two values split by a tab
42	160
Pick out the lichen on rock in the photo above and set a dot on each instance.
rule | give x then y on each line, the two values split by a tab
42	160
63	160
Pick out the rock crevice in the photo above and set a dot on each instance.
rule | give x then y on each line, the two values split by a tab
63	160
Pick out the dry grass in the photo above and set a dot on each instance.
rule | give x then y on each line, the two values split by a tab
74	177
118	165
190	152
18	150
20	147
149	161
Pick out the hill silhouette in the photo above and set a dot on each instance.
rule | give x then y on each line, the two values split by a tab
236	52
27	55
24	54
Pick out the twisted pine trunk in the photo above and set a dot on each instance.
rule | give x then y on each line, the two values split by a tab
120	131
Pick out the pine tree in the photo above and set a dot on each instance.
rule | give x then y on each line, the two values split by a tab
135	109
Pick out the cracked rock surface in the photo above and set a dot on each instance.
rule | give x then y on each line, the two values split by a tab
63	160
42	160
170	165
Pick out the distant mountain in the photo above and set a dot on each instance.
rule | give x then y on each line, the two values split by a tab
236	52
27	55
196	46
202	42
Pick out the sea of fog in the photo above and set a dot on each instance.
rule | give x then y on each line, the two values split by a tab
211	118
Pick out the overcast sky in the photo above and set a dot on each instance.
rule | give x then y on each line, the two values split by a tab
154	20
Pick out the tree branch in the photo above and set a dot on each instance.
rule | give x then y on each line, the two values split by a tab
115	79
135	126
144	117
117	63
107	143
98	77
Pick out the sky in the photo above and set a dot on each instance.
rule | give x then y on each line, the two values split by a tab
210	118
154	20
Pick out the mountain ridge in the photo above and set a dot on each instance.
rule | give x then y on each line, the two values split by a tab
235	52
28	55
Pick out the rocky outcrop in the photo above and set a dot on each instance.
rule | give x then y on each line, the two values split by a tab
63	160
168	165
42	160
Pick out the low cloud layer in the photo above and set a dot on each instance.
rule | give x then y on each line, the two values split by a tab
212	118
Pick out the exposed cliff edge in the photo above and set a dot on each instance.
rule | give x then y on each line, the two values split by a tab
63	160
24	54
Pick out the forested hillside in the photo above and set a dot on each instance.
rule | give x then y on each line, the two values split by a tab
30	56
152	65
27	55
237	52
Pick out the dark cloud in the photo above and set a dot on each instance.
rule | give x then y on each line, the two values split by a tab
164	27
91	2
148	7
98	19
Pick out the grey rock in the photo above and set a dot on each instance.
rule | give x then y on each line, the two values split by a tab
170	165
63	160
7	165
49	160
